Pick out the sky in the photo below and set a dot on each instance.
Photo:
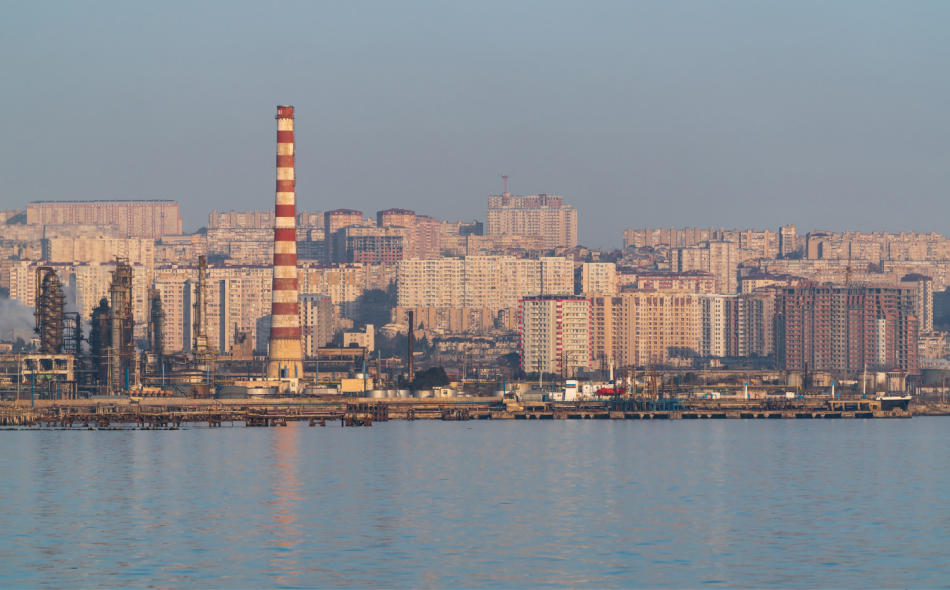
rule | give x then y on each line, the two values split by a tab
826	115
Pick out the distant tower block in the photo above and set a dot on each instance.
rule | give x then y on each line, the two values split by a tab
284	359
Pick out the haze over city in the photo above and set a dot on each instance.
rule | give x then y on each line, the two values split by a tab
490	294
729	114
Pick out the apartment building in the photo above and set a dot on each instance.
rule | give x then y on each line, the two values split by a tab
647	327
555	334
373	245
671	237
924	300
134	219
492	282
241	219
463	228
845	328
238	299
334	221
447	320
787	243
100	250
424	238
538	215
599	277
757	244
694	281
472	245
717	257
180	249
316	322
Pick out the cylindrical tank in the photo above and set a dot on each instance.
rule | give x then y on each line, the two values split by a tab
820	379
498	393
402	393
376	393
793	379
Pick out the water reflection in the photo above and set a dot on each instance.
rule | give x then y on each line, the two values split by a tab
487	504
284	531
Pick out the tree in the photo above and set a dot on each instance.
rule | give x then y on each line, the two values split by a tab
434	377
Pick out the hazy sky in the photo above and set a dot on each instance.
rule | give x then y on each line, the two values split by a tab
831	115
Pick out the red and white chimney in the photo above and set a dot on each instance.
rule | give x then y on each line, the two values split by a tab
284	358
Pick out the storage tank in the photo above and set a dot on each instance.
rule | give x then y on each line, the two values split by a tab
820	379
793	379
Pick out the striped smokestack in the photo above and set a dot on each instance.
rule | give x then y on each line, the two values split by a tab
284	359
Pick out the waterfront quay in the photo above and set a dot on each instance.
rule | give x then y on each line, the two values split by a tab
354	411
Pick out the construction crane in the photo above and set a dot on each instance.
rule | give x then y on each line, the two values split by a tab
505	178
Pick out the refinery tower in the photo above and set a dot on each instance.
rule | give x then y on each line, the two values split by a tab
284	358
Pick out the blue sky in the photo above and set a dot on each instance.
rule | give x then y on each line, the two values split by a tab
724	114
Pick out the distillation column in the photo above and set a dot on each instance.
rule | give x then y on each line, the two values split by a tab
284	359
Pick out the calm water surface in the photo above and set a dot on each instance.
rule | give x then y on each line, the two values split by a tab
842	503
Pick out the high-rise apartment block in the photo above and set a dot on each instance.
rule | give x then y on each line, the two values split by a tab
555	334
135	219
786	240
373	245
334	221
539	215
924	300
316	322
845	328
718	257
424	239
241	219
599	277
694	281
672	237
492	282
647	327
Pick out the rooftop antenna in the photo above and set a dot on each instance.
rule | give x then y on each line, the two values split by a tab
505	178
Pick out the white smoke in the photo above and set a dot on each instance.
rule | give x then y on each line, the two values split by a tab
16	318
69	290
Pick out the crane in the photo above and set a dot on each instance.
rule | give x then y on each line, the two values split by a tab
505	177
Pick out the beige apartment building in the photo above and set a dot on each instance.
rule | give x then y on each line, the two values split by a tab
471	245
316	322
334	221
446	320
694	281
135	219
924	301
424	239
555	334
787	240
644	328
100	250
719	258
474	282
538	215
599	277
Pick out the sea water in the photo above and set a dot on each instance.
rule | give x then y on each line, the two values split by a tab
750	503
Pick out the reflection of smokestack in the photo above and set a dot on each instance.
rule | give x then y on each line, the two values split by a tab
285	357
411	339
